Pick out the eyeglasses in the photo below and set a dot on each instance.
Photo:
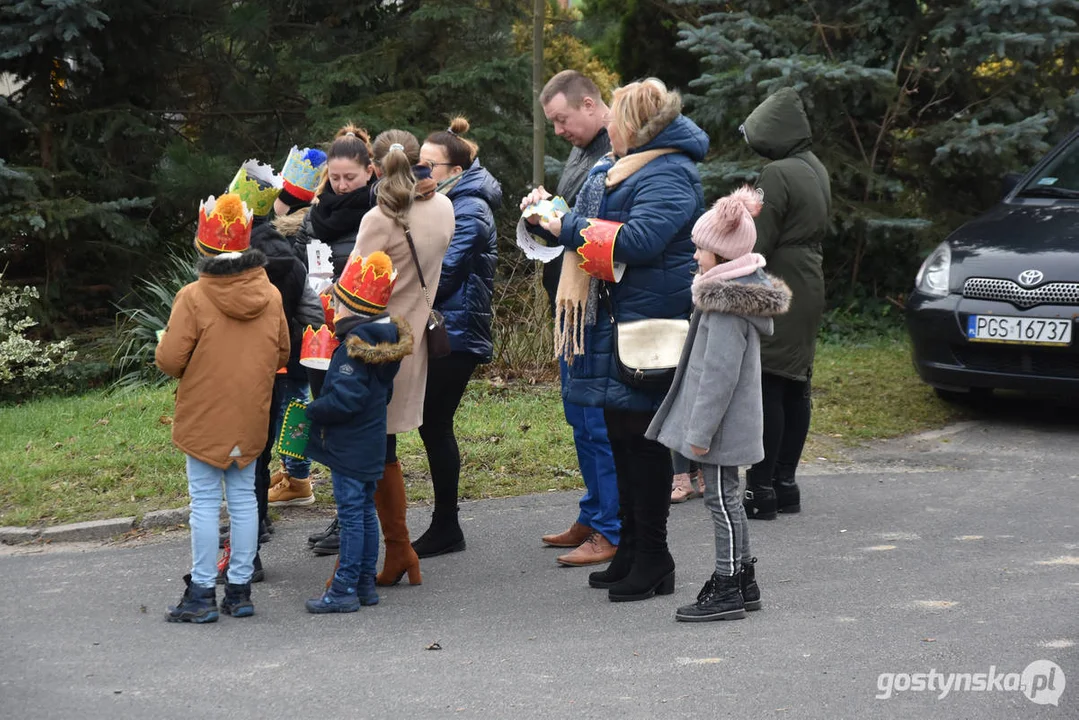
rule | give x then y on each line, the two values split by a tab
431	164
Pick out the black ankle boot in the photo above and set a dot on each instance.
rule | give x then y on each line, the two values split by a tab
444	535
331	529
330	544
198	604
719	599
651	574
237	602
788	497
760	503
751	594
621	564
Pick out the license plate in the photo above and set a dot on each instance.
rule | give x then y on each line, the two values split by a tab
1019	331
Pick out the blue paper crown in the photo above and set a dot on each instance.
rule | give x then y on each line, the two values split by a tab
303	171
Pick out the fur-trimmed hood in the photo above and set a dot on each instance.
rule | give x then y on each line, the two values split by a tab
230	263
759	295
236	283
289	225
380	352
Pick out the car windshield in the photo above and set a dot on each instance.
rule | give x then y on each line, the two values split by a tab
1060	177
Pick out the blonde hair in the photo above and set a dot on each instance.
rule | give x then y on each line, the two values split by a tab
351	143
641	109
395	152
459	150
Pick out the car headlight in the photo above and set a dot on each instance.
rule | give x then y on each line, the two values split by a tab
933	276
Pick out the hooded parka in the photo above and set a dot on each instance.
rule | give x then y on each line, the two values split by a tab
791	227
658	204
226	338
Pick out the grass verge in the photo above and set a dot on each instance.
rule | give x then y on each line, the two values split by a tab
109	455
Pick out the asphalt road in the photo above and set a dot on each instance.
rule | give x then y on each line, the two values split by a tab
954	552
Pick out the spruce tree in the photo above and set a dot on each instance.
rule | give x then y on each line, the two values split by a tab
918	109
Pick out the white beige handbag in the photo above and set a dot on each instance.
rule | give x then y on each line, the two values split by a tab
647	351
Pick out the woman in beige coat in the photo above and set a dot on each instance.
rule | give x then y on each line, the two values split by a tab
406	201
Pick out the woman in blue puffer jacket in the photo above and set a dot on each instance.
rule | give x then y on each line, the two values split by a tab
464	299
650	192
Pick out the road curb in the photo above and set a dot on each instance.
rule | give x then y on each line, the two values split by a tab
94	529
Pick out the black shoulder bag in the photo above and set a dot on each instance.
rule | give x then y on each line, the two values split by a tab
438	338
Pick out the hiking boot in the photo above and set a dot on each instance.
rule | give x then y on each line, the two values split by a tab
444	536
198	604
366	591
719	599
237	600
747	580
291	491
331	529
330	544
338	599
760	503
682	488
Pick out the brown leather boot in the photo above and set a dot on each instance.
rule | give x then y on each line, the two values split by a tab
391	504
593	551
571	538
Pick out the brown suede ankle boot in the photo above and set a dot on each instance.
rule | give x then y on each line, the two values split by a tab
391	504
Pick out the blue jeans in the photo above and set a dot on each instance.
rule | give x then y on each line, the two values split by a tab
284	390
204	487
599	506
359	528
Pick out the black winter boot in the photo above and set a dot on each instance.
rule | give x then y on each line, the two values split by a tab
237	601
330	544
760	502
751	594
652	571
788	497
719	599
444	535
331	529
198	605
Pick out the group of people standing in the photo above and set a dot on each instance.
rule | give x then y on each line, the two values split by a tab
411	230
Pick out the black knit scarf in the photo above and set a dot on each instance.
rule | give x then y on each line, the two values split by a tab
336	216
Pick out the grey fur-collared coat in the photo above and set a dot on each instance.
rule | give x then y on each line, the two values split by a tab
715	398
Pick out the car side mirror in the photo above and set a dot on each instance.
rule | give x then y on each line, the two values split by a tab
1009	182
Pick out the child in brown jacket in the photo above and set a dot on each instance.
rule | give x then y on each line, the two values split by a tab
226	338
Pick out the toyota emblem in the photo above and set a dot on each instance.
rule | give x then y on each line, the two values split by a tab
1030	278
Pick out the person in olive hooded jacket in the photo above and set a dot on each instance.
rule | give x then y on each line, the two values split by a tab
792	224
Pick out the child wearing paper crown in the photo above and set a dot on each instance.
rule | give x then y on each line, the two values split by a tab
348	422
713	411
226	338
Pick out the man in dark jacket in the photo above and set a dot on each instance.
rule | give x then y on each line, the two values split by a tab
575	106
790	228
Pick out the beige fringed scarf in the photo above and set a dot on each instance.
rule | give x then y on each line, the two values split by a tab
578	293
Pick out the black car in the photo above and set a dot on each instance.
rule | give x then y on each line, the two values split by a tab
995	305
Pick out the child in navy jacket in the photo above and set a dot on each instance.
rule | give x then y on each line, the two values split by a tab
348	422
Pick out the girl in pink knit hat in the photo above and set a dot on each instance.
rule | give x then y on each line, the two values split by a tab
713	412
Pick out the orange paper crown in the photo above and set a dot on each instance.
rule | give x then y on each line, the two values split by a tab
367	283
224	225
318	346
597	252
327	307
